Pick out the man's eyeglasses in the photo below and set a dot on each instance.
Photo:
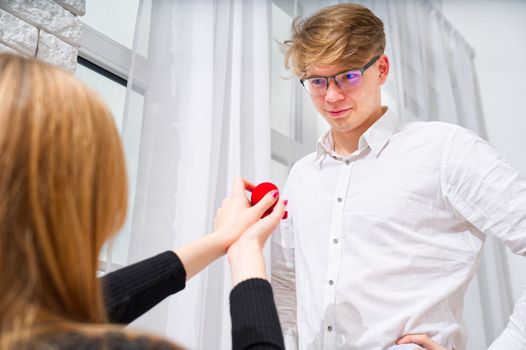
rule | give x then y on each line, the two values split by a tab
346	80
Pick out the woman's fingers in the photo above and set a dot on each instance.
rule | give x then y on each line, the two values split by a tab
262	229
277	212
265	203
240	185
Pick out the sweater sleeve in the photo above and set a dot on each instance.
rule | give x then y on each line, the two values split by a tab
135	289
255	323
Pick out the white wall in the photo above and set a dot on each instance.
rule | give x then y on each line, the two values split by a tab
497	30
47	30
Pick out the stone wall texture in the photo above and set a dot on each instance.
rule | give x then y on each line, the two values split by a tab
47	29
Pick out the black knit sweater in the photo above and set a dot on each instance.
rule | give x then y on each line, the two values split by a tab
133	290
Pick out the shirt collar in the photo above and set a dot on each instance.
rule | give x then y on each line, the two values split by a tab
376	137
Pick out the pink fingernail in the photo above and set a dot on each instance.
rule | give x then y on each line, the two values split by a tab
275	194
285	201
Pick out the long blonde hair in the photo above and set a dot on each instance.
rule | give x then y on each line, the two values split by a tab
63	192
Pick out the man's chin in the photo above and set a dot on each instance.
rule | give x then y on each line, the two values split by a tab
342	127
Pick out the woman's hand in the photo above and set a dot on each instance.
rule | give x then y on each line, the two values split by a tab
236	214
258	233
421	339
246	254
233	218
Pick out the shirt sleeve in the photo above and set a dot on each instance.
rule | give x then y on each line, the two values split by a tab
135	289
486	190
283	272
513	337
255	323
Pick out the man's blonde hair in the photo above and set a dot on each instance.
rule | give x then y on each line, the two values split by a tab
344	34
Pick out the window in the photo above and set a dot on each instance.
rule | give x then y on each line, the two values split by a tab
113	18
282	88
111	88
103	64
293	118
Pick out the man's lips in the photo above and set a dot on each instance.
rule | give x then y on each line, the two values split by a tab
338	112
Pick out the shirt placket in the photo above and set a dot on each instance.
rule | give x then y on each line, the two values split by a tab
335	253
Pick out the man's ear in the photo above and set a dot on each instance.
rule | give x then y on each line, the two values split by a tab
383	67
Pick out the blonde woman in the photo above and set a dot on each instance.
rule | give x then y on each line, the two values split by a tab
63	194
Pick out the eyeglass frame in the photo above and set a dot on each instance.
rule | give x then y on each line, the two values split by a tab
333	77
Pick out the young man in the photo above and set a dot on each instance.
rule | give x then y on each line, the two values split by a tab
386	219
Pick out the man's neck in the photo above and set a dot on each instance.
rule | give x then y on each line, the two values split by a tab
345	143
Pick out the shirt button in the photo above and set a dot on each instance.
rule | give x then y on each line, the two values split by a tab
329	328
336	241
340	199
331	282
347	162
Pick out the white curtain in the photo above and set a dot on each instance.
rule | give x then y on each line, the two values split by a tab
205	119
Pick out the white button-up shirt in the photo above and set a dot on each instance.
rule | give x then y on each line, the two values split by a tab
385	241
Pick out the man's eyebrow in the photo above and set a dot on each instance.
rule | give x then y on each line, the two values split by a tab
329	76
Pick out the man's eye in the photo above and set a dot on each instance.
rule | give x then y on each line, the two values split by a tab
317	82
349	76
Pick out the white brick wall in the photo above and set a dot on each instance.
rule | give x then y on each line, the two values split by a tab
55	51
77	7
46	29
18	34
6	49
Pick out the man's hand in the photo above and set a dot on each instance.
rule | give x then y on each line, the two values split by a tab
421	339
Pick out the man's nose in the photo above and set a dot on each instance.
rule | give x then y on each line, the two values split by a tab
334	93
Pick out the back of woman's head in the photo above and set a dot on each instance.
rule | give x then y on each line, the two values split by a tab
63	192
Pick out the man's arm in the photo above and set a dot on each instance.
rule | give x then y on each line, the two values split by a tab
283	280
283	273
514	335
485	189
